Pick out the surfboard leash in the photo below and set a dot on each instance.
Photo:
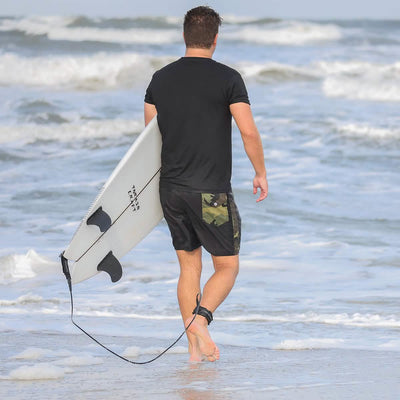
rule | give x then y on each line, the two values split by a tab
65	269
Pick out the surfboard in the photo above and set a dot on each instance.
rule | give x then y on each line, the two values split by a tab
124	212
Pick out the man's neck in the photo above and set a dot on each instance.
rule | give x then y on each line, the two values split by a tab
195	52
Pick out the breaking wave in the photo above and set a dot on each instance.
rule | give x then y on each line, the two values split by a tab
353	80
84	29
271	72
99	71
362	80
87	129
163	30
22	266
287	33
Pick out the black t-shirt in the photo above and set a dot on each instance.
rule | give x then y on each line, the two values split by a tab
192	97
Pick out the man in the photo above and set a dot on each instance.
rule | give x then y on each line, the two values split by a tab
195	98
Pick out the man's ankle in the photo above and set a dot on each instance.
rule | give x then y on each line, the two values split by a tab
202	320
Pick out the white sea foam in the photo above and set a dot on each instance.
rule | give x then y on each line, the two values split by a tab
355	319
158	350
25	299
361	80
350	79
78	361
96	72
37	372
56	28
320	185
390	345
236	19
270	72
368	131
87	129
280	33
134	351
105	71
289	33
32	353
17	266
310	343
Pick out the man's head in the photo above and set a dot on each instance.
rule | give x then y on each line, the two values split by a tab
200	27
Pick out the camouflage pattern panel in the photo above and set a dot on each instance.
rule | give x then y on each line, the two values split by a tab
214	208
236	224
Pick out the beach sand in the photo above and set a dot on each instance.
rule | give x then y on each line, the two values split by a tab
81	370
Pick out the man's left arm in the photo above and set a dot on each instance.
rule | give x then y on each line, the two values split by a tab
243	116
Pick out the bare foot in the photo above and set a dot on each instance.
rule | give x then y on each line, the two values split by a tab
206	346
194	350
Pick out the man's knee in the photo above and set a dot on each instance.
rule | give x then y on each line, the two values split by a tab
230	263
190	261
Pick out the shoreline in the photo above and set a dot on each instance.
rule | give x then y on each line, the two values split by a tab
88	372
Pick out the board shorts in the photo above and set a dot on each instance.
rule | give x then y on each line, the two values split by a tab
210	220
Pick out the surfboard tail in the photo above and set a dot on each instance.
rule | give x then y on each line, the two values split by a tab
109	264
65	269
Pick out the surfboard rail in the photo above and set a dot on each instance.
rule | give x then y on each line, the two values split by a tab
125	211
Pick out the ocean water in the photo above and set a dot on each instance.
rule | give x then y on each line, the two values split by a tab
320	260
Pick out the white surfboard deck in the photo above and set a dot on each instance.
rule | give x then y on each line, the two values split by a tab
125	211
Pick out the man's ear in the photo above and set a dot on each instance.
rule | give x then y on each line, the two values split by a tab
215	39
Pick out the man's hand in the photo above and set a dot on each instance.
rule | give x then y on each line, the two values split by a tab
260	182
243	116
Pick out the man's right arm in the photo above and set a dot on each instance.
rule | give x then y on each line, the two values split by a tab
149	112
243	116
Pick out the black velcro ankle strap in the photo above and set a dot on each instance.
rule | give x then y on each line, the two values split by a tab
207	314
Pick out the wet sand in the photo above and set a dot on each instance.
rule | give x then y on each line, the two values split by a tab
241	373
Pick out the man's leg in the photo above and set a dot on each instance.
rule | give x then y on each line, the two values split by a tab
188	288
215	291
221	282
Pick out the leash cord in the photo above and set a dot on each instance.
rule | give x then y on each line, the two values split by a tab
67	274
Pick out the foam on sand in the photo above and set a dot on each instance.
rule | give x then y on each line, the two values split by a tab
355	319
134	351
78	361
31	353
37	372
34	353
310	343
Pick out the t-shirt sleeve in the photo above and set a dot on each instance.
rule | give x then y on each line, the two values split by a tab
148	98
237	92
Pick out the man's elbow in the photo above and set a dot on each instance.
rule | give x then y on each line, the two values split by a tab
250	134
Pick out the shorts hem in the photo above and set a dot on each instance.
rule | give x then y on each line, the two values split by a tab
187	249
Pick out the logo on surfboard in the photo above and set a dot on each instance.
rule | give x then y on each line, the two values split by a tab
133	198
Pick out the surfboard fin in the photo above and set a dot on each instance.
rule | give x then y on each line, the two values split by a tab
101	219
112	266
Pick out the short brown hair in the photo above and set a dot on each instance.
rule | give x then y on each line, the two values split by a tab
200	27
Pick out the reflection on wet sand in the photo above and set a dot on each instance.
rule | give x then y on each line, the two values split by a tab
196	382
